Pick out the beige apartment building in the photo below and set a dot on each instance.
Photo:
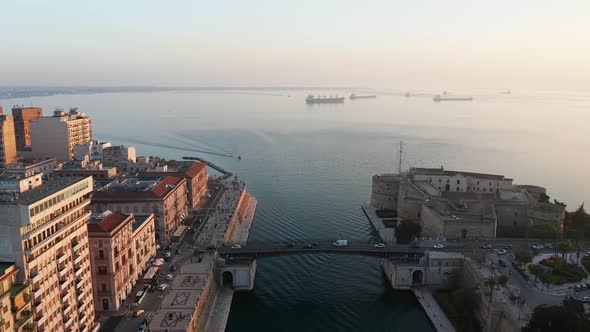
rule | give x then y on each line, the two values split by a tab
7	141
121	246
43	231
165	197
15	301
55	136
22	124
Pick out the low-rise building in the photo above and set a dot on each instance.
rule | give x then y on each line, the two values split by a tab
84	168
459	181
121	245
26	166
165	197
93	150
15	301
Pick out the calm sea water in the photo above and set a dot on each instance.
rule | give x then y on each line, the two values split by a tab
310	168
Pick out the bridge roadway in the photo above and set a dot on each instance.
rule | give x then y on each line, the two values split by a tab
255	250
263	250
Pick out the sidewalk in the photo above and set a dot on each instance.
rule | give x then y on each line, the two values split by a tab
435	313
220	311
387	234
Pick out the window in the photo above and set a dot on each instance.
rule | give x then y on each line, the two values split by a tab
458	181
458	189
101	254
100	243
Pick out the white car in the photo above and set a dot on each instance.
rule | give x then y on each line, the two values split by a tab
169	276
163	287
501	251
380	245
538	246
585	299
439	246
236	246
167	255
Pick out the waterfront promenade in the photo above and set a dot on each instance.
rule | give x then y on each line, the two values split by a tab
437	316
387	234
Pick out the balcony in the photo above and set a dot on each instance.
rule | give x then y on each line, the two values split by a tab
61	258
37	292
56	235
77	259
67	321
63	284
25	318
34	277
66	307
62	272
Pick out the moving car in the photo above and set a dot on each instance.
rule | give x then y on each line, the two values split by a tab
340	243
486	246
501	252
236	246
169	276
138	313
538	246
163	287
308	246
380	245
438	246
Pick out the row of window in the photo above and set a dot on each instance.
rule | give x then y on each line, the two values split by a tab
57	199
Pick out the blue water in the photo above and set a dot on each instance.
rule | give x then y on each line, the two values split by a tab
310	168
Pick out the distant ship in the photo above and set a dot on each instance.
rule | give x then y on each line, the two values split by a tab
438	98
311	99
353	96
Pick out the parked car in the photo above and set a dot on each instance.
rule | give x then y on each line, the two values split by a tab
169	276
167	255
142	327
414	245
163	287
380	245
177	251
236	246
502	263
538	246
501	251
486	246
438	246
508	247
585	299
172	268
138	313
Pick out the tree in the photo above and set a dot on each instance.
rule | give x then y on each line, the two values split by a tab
556	318
556	202
543	198
502	280
406	231
523	256
564	248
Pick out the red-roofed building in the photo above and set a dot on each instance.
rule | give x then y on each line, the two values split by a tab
196	177
120	246
165	197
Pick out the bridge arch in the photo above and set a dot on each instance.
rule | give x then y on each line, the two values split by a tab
227	279
417	278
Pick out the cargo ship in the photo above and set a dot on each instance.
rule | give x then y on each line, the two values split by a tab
353	96
438	98
311	99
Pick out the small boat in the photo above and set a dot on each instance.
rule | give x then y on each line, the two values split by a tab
353	96
438	98
238	156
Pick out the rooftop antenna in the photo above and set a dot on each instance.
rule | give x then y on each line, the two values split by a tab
401	150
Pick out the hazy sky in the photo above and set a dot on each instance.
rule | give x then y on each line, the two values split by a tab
396	44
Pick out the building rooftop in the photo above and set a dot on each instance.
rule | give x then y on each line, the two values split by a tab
140	219
442	171
106	222
5	266
514	196
49	187
178	169
135	188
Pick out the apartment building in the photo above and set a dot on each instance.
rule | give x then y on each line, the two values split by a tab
55	136
121	245
119	156
25	166
15	301
22	128
165	197
43	230
7	142
195	174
